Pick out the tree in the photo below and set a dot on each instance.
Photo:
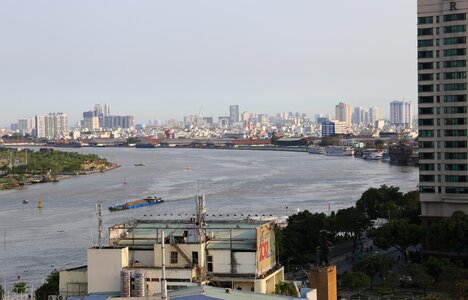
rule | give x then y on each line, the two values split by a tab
2	292
399	234
350	220
410	207
302	236
286	289
452	280
50	287
435	266
381	202
356	281
418	275
20	287
392	280
450	234
372	265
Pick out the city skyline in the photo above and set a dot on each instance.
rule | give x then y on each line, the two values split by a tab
170	61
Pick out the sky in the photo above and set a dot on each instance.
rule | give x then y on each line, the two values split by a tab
162	59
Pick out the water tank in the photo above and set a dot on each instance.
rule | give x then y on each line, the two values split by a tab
125	283
139	283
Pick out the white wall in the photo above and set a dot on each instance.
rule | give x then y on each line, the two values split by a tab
104	266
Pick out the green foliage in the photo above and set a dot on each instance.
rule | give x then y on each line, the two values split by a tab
388	202
372	265
286	288
435	266
332	140
50	287
2	292
302	236
450	234
399	234
356	280
452	280
419	277
349	220
392	281
20	287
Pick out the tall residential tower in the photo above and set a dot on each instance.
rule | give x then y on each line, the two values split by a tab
442	107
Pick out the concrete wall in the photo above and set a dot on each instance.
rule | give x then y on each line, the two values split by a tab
186	248
73	282
144	257
221	261
104	266
245	262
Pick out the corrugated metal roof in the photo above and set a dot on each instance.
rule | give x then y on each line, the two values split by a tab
208	292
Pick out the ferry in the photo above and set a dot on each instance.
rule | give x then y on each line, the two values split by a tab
372	154
150	200
316	150
339	151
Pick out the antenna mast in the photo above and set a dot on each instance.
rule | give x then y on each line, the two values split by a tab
99	215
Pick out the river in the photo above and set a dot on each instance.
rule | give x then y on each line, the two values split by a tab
248	182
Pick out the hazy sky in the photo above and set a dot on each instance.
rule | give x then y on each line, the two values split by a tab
162	59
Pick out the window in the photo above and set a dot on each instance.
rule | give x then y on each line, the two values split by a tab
453	41
426	133
452	17
426	122
426	145
456	190
426	99
209	260
425	66
455	178
455	155
425	20
452	52
426	110
455	109
455	98
425	43
426	189
174	257
455	64
454	29
426	167
455	87
456	167
426	155
455	144
426	31
426	77
427	178
195	257
455	75
425	88
455	132
455	121
425	54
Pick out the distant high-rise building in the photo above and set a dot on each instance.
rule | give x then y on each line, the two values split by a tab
224	121
234	114
343	113
25	125
400	113
52	126
442	108
375	114
356	118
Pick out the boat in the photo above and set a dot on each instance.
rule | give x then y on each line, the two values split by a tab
372	154
149	200
316	150
25	201
139	165
338	151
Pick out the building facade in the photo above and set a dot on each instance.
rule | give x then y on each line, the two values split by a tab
442	107
400	113
234	115
52	126
343	113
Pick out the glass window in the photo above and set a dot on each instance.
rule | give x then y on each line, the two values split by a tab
452	17
426	167
455	75
455	109
426	110
451	52
426	189
455	63
425	20
452	29
456	190
425	43
455	98
425	54
427	178
174	257
455	87
453	41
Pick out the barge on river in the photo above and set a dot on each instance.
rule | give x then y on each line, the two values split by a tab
150	200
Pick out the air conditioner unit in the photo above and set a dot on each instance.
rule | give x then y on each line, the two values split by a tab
61	297
52	297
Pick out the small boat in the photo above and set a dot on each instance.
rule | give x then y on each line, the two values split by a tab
316	150
25	201
149	200
139	165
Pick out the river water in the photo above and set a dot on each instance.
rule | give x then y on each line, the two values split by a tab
35	241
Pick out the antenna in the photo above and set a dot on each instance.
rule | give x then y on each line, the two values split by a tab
99	215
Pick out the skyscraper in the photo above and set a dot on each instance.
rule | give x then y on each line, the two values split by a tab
400	113
234	114
375	114
442	107
52	126
343	113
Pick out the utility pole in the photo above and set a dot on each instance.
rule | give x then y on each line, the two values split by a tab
163	270
99	215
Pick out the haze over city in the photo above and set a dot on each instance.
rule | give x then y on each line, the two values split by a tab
158	60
